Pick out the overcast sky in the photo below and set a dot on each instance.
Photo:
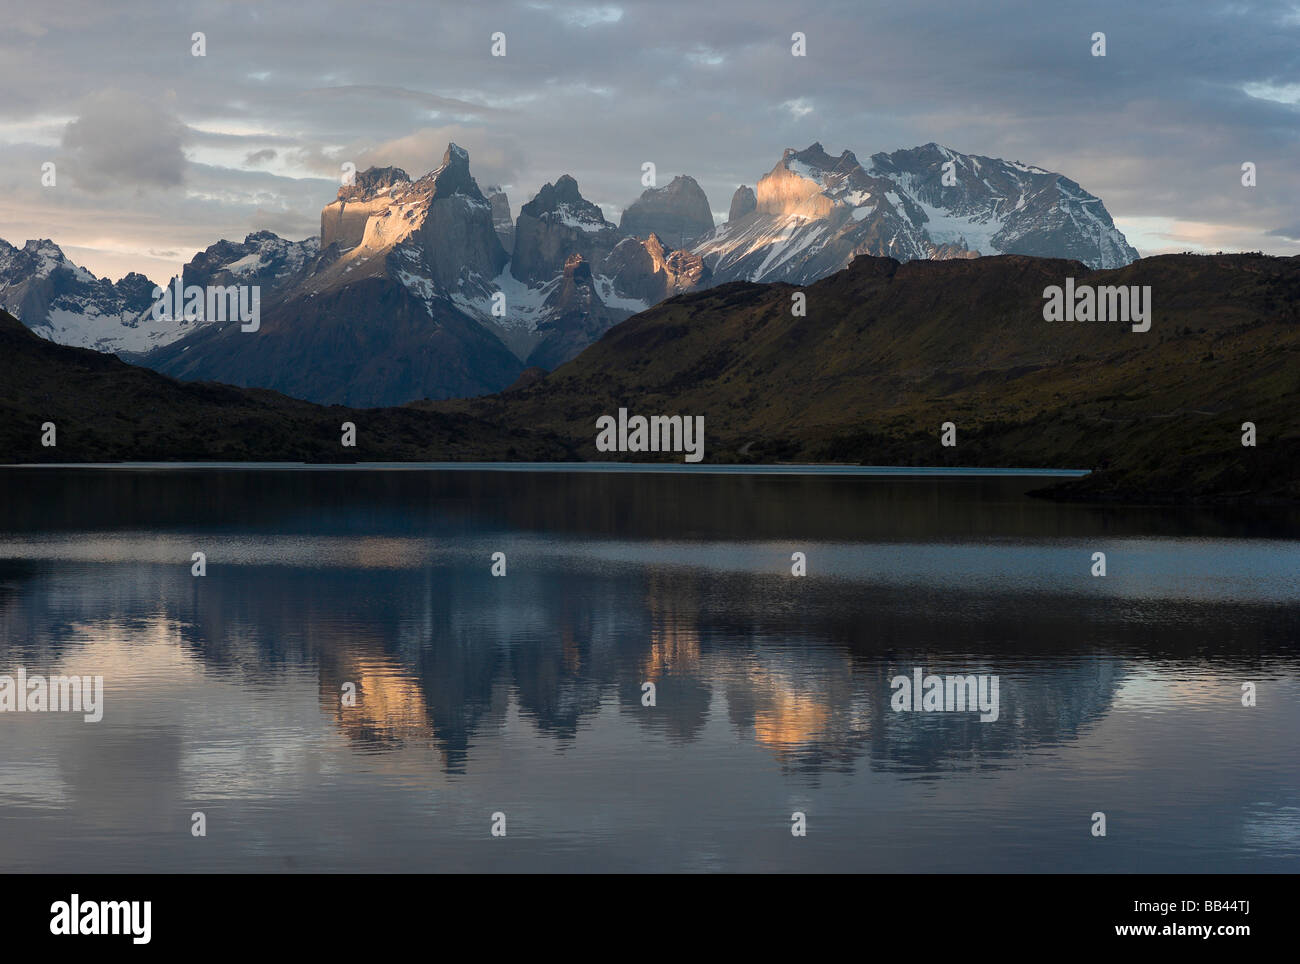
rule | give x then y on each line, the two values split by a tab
160	153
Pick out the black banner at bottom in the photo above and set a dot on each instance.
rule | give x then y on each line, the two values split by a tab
297	913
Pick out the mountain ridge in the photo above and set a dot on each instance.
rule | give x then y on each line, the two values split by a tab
455	312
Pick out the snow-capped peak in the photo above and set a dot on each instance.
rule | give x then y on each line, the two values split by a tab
815	211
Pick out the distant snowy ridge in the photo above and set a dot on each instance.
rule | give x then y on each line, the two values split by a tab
814	212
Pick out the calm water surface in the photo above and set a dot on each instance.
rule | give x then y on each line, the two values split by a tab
523	694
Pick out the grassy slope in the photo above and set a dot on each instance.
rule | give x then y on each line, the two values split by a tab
888	352
106	410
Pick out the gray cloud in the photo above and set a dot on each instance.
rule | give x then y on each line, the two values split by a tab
120	139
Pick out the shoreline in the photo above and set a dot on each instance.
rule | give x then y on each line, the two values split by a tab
664	468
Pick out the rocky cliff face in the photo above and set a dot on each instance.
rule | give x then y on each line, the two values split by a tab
557	223
576	316
649	271
501	219
677	212
743	202
533	305
344	221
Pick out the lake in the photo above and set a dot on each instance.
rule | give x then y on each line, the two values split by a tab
520	700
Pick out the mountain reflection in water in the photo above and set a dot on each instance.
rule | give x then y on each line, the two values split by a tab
524	694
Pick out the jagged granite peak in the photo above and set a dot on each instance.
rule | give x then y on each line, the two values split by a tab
577	288
452	176
815	158
135	289
555	224
743	202
382	200
502	220
563	199
678	211
376	317
38	258
437	231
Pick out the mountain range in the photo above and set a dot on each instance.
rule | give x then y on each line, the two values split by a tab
427	288
69	305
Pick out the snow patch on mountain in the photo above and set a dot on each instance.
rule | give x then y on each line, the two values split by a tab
66	304
524	304
975	233
611	297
